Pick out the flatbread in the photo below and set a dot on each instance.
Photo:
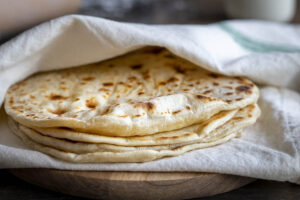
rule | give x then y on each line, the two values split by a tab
244	117
141	93
186	134
80	147
234	125
144	155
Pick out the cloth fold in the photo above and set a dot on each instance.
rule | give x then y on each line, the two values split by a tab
267	53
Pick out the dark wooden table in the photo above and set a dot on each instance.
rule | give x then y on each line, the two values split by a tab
12	188
158	12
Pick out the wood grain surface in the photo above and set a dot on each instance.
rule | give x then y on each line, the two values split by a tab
132	185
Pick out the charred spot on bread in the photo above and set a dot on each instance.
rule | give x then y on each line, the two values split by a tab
243	88
137	66
55	97
108	84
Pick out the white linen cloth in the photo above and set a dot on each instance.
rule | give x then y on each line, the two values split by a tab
267	53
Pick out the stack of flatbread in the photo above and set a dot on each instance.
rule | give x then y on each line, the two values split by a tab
138	107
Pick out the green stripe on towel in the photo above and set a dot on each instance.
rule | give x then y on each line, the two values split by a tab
254	45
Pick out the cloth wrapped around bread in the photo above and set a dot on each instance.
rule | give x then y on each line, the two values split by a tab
138	107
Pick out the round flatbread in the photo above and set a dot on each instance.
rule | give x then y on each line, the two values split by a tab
81	148
186	134
243	118
143	155
141	93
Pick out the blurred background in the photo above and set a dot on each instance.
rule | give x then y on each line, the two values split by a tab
19	15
